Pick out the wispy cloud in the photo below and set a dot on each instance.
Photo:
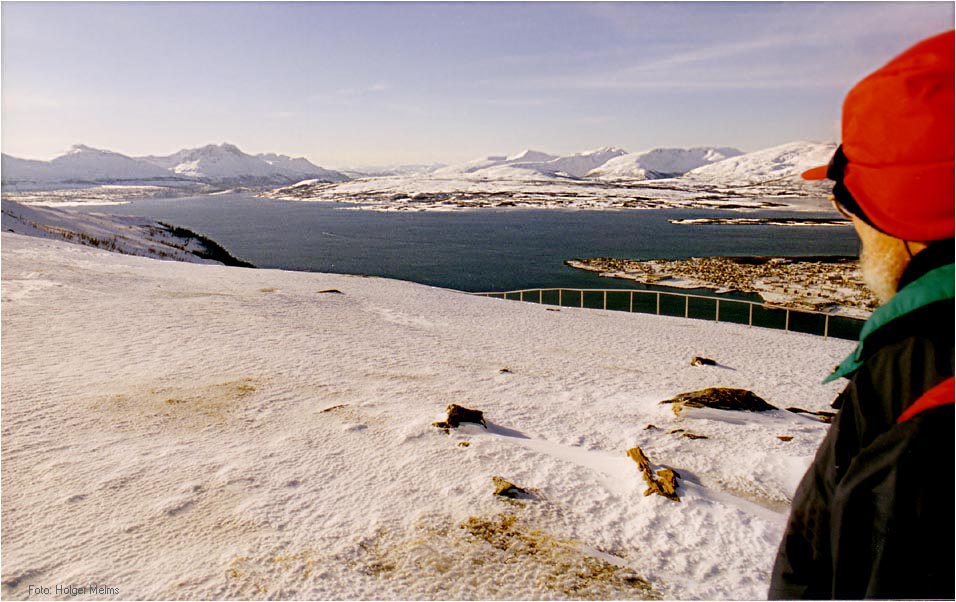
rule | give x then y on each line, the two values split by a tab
29	102
349	94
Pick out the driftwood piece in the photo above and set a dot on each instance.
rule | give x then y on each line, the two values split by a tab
702	361
663	482
821	415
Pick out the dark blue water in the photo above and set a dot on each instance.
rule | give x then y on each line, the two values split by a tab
485	250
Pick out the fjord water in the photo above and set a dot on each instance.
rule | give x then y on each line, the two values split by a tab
482	250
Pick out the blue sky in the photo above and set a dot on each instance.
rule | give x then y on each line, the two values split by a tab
349	84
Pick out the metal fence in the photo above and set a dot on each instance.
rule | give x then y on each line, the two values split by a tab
701	307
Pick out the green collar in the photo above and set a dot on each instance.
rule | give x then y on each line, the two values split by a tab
935	285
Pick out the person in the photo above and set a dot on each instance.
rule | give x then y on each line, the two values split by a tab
873	515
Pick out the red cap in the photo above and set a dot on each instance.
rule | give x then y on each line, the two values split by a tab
898	131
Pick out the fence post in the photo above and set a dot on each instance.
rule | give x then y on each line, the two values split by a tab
605	300
541	296
686	306
632	302
786	326
826	325
750	320
521	296
582	298
717	317
560	294
658	303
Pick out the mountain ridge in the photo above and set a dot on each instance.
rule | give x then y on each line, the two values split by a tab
222	164
225	164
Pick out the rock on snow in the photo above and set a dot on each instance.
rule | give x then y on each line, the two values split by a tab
176	430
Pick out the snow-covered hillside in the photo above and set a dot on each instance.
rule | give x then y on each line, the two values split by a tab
660	163
784	162
127	235
301	168
177	431
222	164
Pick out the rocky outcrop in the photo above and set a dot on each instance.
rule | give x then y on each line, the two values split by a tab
458	414
720	398
505	488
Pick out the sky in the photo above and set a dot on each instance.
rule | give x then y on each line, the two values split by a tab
361	84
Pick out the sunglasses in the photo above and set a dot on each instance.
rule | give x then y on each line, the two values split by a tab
842	199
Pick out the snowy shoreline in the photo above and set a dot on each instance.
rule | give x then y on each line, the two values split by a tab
824	284
268	434
126	235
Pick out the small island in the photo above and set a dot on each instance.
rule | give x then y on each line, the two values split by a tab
826	284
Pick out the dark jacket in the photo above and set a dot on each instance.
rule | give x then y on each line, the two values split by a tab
873	516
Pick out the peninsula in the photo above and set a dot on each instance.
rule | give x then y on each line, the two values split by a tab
827	284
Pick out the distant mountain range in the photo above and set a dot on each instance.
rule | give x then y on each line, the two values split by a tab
717	165
226	165
222	164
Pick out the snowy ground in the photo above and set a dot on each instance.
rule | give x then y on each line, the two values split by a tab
183	431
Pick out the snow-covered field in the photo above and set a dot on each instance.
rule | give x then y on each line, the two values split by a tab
183	431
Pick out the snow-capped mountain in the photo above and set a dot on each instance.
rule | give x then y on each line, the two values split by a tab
81	164
578	164
222	164
532	164
226	164
300	166
784	162
660	163
477	165
383	171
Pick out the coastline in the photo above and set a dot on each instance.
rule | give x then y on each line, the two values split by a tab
823	284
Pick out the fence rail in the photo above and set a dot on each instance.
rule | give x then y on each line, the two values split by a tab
663	303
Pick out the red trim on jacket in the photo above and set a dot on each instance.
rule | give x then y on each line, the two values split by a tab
939	395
